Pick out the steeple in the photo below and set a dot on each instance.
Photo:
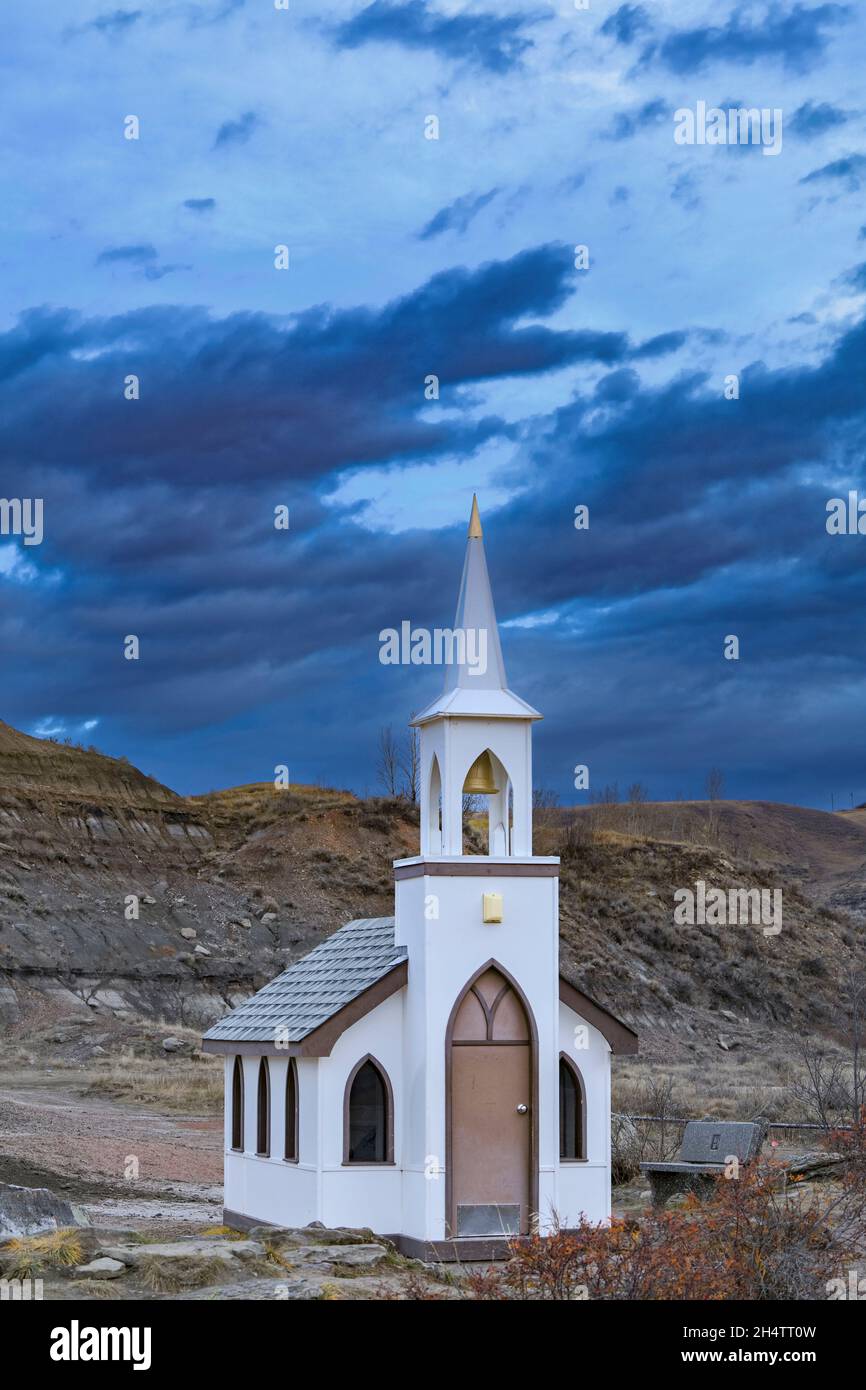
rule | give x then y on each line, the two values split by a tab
476	684
476	737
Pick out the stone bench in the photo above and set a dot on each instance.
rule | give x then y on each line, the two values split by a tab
707	1146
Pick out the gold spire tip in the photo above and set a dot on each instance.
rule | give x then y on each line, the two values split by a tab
475	532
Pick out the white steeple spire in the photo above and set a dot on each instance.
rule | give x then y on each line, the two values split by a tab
476	617
477	684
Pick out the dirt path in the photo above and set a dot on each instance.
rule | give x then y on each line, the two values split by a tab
117	1162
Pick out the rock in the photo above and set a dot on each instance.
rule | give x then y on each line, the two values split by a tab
196	1249
268	917
356	1256
246	922
727	1044
625	1148
726	1013
29	1211
151	902
97	1051
188	933
103	1268
202	951
814	1165
171	1044
317	1234
289	1287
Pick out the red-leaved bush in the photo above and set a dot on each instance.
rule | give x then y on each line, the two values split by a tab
759	1236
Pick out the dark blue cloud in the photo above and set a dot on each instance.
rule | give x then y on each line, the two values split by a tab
238	132
114	23
628	123
329	390
855	278
484	40
144	256
457	216
706	519
627	23
796	34
815	118
849	170
138	255
200	204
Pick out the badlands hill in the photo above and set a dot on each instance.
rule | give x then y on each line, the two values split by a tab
233	886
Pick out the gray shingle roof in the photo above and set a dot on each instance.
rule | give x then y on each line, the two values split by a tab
313	989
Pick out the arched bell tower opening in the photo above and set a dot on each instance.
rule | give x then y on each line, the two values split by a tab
488	780
434	808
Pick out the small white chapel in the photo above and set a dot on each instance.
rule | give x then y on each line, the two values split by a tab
431	1075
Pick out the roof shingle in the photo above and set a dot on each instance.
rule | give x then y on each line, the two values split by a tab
315	988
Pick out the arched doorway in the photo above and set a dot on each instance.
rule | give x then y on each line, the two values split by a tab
491	1087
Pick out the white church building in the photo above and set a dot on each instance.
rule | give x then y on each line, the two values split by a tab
431	1075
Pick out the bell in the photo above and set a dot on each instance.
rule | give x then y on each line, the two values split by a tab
479	779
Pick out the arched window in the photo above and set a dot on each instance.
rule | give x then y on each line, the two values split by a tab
291	1145
572	1112
238	1105
368	1115
263	1111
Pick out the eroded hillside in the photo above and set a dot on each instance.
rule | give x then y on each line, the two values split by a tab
231	887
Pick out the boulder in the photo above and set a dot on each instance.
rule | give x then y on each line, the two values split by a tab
29	1211
103	1268
813	1165
171	1044
196	1249
355	1256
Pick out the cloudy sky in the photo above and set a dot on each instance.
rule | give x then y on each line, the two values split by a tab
408	256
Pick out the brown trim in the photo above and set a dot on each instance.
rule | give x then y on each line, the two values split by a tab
577	1075
237	1115
263	1121
320	1042
450	1205
430	1251
290	1121
501	868
471	1248
621	1038
389	1117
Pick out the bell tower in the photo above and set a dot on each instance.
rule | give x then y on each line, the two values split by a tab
481	937
476	738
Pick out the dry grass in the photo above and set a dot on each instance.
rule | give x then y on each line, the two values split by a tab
170	1276
32	1255
96	1289
195	1087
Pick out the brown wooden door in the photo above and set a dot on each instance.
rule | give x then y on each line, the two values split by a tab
491	1111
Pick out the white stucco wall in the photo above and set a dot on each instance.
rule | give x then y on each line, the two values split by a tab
445	951
583	1188
270	1189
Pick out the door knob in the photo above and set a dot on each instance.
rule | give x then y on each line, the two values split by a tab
522	1109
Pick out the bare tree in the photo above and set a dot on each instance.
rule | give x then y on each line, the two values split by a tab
545	807
388	765
638	796
831	1084
409	763
715	784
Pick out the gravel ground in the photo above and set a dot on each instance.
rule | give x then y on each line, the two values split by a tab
83	1147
